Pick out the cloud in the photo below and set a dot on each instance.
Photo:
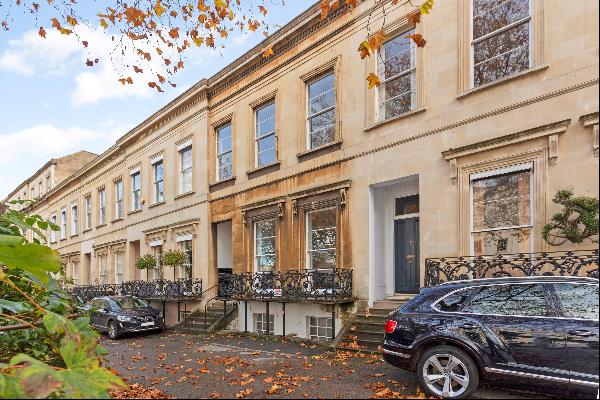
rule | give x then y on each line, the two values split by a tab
32	54
45	141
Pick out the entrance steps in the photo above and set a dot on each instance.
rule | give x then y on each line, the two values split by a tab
365	330
215	318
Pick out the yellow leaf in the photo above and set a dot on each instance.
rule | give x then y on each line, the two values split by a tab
159	9
373	80
426	7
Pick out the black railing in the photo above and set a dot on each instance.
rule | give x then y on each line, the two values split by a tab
564	263
160	290
310	285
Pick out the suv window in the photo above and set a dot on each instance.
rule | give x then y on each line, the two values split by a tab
578	300
525	300
454	302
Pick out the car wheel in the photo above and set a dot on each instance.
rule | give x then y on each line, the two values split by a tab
447	372
113	330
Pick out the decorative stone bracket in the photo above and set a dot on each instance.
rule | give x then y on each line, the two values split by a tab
551	131
592	120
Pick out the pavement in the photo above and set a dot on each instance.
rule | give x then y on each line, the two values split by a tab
242	366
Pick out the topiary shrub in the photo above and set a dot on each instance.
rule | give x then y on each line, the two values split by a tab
147	261
575	223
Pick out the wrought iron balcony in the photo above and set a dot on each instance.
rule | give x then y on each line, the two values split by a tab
325	286
159	290
563	263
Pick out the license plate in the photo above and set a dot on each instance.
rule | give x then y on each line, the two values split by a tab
147	323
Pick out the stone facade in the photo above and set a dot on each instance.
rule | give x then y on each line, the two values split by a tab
400	187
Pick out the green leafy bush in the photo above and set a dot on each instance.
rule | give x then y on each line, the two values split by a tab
147	261
173	258
46	351
575	223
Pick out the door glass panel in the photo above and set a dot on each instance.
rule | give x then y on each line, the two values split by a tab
578	301
523	300
407	205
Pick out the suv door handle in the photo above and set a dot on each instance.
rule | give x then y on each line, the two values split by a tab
581	333
468	325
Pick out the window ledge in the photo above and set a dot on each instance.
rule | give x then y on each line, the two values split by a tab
394	119
179	196
116	220
216	185
320	148
100	226
134	211
521	74
158	203
75	235
271	166
86	230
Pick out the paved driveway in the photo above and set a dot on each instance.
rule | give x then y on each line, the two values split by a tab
238	366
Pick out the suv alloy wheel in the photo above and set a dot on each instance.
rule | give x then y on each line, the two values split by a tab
113	330
448	372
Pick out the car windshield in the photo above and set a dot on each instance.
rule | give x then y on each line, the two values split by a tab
128	303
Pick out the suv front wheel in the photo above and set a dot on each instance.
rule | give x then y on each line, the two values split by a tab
448	372
113	330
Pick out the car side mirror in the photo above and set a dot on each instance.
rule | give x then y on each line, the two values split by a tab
102	310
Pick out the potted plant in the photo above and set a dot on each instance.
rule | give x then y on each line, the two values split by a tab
173	258
146	262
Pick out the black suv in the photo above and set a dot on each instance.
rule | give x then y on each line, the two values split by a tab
535	334
123	314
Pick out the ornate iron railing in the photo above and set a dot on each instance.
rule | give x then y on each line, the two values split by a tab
310	285
564	263
160	289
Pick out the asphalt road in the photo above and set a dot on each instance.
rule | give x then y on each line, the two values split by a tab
239	366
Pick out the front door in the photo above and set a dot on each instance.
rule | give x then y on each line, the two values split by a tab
406	250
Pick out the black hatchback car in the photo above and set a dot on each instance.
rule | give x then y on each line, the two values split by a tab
538	334
117	315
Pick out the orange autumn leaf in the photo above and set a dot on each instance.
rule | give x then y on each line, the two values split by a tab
418	39
373	80
42	32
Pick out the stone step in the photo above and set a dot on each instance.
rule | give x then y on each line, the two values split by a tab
360	345
366	336
381	312
388	305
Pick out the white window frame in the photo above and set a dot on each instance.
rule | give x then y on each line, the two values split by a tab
328	327
88	212
497	172
309	116
309	236
182	240
118	267
136	194
119	199
63	223
75	271
411	70
102	206
157	251
74	219
155	183
52	231
473	41
230	151
256	256
259	323
258	139
102	272
183	171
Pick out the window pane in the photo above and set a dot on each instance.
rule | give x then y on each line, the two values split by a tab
502	201
321	94
224	139
186	158
578	301
398	56
265	120
323	259
407	205
322	137
509	300
322	219
225	169
507	241
501	55
491	15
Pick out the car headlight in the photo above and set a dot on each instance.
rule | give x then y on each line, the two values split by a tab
124	318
